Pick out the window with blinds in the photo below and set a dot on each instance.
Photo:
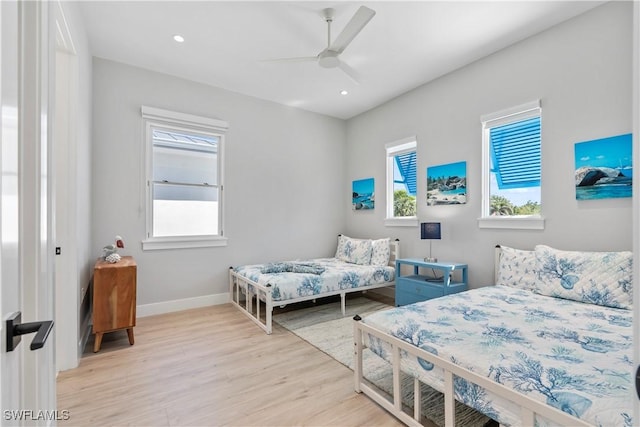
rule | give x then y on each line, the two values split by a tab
405	172
515	154
512	164
401	179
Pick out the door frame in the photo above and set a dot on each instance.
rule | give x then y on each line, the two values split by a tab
64	196
635	114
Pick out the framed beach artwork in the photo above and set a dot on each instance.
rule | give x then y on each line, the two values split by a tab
604	168
447	184
363	196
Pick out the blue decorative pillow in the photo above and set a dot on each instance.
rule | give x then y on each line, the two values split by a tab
354	251
292	267
602	278
380	252
517	268
307	268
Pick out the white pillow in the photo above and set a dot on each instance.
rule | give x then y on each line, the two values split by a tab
354	251
380	252
602	278
517	268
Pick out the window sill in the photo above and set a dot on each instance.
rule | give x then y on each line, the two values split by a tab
410	221
183	242
512	222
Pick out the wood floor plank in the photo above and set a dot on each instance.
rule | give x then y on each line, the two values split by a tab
207	367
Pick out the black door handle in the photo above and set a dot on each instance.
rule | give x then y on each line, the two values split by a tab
15	330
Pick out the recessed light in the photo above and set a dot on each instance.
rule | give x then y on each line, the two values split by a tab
344	92
178	38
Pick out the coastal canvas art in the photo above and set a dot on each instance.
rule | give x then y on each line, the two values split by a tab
447	184
363	196
604	168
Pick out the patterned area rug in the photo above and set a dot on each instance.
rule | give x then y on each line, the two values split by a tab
324	327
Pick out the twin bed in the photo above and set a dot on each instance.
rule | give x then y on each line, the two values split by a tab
550	344
359	265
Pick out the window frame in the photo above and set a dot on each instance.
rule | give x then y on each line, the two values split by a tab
165	119
488	121
392	149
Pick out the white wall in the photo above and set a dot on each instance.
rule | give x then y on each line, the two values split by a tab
581	71
284	175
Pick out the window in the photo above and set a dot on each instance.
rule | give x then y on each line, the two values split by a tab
401	182
183	180
512	168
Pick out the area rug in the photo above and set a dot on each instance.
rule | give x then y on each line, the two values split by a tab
324	327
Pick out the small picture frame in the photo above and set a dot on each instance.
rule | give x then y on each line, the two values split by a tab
362	194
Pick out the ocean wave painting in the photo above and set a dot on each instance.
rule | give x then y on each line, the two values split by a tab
604	168
447	184
363	195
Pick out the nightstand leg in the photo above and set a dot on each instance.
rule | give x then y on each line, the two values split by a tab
98	342
130	334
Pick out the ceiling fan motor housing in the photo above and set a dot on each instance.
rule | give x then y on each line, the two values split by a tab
328	59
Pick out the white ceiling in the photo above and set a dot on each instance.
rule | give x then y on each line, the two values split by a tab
405	45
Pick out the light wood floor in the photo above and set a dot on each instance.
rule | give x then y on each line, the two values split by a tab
208	367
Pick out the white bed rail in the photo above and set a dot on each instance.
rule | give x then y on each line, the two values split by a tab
528	407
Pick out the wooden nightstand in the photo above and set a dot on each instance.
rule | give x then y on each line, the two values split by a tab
114	298
420	287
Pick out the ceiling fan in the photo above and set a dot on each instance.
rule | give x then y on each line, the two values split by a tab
329	57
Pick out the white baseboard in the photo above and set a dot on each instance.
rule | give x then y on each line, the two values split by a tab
145	310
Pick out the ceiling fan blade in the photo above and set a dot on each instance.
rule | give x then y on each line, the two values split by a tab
356	24
353	74
295	59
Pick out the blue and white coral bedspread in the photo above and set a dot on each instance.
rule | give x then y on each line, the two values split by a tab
574	356
336	275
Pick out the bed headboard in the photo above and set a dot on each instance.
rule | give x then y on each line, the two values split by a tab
394	251
496	263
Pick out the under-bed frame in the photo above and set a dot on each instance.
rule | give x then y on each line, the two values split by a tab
528	407
257	303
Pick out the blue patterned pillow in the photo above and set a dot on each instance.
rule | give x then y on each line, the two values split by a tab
307	268
380	252
275	267
517	268
602	278
355	251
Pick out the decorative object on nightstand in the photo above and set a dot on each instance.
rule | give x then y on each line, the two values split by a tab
114	298
420	286
111	251
430	231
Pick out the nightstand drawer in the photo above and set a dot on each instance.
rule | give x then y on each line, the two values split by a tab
404	298
420	288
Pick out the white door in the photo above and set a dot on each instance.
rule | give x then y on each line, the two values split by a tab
9	257
27	377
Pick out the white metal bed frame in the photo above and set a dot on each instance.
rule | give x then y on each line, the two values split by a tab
528	406
257	302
